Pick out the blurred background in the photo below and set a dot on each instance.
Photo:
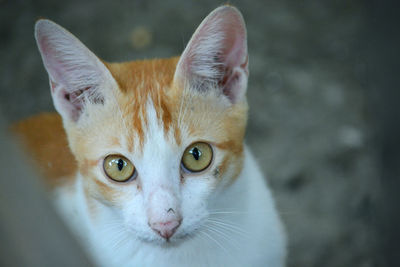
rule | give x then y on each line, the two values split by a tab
323	95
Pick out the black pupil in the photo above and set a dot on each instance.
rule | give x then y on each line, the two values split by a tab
196	153
120	164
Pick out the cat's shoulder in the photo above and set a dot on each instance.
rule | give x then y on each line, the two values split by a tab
43	138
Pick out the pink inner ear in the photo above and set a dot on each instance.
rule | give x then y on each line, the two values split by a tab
64	98
217	54
237	55
50	46
49	55
75	73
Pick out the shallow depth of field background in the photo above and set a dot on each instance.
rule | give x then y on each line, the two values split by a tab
311	124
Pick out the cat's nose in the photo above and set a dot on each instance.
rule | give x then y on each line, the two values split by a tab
165	228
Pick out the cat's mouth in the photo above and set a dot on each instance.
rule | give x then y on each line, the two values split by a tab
173	241
184	232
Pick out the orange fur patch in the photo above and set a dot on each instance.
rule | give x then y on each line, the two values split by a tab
115	142
86	165
141	81
106	191
43	136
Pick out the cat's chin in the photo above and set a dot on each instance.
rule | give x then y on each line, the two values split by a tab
174	241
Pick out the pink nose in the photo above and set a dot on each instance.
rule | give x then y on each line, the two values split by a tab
165	229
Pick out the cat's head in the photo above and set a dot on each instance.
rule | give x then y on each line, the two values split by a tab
155	139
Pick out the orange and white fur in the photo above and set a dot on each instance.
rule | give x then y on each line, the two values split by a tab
145	115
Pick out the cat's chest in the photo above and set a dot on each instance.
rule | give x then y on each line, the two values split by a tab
70	202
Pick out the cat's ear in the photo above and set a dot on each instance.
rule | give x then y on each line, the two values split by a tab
76	75
216	56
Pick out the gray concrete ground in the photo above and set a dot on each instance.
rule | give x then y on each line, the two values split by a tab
309	121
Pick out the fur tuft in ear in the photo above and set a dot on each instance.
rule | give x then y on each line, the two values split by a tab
216	56
76	74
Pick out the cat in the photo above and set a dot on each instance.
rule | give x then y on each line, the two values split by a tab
152	169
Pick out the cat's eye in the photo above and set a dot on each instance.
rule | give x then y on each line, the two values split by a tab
118	168
197	157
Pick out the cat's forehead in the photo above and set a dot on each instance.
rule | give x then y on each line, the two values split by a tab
145	99
143	76
148	97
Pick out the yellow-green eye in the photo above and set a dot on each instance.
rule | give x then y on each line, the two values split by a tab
197	157
118	168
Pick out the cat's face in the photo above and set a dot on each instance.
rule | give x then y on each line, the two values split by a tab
159	122
154	139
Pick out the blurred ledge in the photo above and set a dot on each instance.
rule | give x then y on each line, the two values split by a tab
31	232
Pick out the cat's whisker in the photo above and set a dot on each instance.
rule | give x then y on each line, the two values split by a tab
121	240
117	238
216	242
113	239
117	233
233	232
233	247
236	212
201	235
233	229
224	235
111	227
229	226
229	212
